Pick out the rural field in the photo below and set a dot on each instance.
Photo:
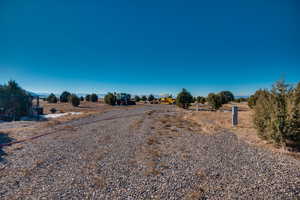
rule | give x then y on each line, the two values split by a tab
140	100
143	152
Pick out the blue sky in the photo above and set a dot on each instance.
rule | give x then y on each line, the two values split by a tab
147	47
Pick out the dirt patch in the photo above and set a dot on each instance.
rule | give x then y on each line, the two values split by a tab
164	129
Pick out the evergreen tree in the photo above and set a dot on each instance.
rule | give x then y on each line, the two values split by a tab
214	101
184	99
110	99
52	98
64	97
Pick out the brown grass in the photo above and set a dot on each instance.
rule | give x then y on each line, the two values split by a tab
196	194
159	143
84	107
67	107
137	124
211	122
99	181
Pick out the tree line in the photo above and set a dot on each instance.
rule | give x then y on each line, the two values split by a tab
184	99
276	112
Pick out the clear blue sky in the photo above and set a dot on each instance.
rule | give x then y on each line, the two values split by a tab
149	46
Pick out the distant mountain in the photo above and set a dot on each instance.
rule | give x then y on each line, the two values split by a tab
84	94
32	94
45	94
237	97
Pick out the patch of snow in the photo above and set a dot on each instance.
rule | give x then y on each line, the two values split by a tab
59	115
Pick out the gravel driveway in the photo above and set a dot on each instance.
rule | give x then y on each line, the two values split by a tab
144	153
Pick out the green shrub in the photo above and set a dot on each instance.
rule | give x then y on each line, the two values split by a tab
14	101
81	98
137	98
94	98
201	100
214	101
88	97
144	98
52	98
253	98
53	110
184	99
64	97
241	99
294	115
262	115
276	114
110	99
226	97
74	100
151	97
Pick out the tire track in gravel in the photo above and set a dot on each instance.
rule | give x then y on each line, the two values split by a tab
67	124
147	153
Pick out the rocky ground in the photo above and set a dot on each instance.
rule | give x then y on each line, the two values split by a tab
147	152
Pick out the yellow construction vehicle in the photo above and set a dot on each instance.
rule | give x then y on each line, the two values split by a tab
167	100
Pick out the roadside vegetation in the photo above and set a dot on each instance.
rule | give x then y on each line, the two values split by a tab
151	98
91	97
253	98
74	100
52	98
277	114
137	98
184	99
144	98
15	102
110	99
88	97
201	99
64	97
214	100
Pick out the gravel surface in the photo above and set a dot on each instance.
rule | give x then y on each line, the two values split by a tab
144	153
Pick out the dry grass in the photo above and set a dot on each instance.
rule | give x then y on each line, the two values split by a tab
210	122
67	107
196	194
99	181
159	144
84	107
137	124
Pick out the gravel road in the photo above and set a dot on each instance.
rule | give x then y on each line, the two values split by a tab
146	152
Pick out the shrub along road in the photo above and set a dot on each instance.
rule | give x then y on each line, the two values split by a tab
146	152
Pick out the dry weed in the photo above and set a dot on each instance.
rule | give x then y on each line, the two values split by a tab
197	194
